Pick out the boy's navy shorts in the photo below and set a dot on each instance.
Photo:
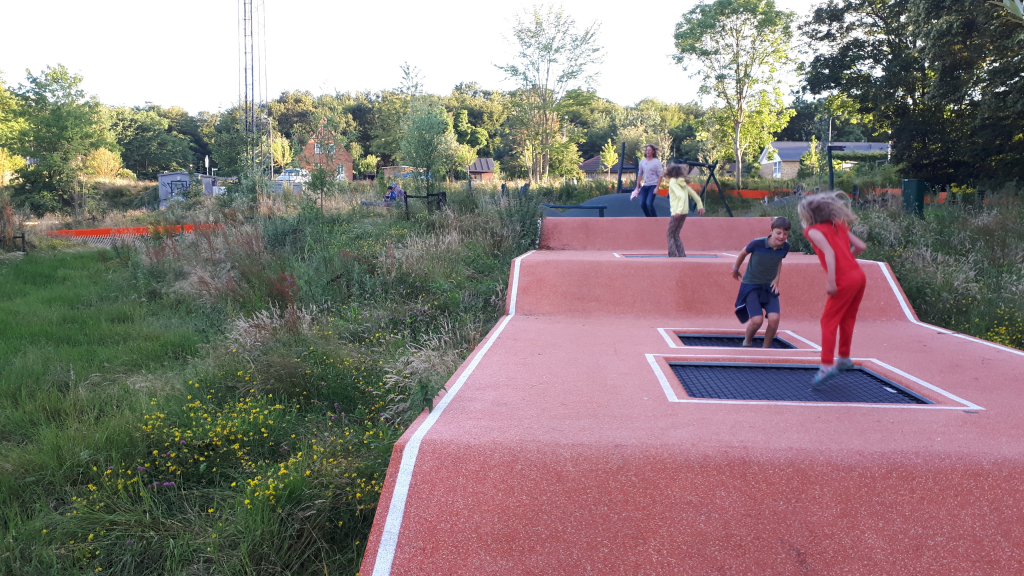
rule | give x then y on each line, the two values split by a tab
754	305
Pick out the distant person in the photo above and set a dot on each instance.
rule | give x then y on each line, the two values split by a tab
759	289
825	216
679	194
394	194
649	172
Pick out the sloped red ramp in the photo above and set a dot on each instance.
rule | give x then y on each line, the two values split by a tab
564	446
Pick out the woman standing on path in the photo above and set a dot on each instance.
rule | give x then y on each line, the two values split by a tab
649	172
679	194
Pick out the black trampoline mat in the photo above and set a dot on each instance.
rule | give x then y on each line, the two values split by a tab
731	340
666	256
787	383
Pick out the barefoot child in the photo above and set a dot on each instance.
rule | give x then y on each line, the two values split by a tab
679	194
825	217
760	287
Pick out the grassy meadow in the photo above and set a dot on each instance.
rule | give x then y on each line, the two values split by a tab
226	402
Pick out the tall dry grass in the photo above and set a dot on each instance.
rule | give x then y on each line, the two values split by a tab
961	266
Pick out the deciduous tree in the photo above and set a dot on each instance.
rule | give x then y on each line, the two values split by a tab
60	127
367	165
554	56
11	125
11	122
1014	9
281	148
765	114
428	140
103	164
609	156
486	112
943	76
564	158
740	47
148	146
389	110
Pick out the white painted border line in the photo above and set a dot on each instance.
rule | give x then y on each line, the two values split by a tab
617	255
910	316
662	379
396	508
668	339
672	344
671	395
805	340
932	387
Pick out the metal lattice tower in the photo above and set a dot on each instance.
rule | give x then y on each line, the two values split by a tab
252	89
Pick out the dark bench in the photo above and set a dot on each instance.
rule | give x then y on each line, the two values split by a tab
440	198
600	209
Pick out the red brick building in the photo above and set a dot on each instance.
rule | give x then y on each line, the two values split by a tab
322	151
481	170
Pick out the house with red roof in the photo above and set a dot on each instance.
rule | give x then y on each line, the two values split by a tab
325	150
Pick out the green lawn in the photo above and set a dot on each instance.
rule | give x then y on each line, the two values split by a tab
78	344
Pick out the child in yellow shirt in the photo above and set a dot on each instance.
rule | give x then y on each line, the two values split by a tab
679	194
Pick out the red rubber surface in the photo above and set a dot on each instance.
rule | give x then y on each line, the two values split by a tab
562	453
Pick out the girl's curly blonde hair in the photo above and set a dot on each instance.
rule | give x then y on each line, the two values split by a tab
833	206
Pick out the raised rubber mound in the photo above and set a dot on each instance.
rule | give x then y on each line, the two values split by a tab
566	445
635	234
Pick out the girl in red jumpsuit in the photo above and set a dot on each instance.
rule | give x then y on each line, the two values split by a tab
825	217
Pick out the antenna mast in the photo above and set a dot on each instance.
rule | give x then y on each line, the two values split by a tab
252	89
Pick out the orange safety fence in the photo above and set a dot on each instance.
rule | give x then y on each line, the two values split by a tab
750	194
131	231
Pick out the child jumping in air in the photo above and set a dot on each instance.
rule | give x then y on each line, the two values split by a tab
759	289
825	217
679	194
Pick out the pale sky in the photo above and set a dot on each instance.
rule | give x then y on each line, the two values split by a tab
185	52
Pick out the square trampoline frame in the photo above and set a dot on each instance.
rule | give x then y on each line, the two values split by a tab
784	344
881	381
661	362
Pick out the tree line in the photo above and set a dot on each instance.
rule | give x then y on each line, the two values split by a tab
940	79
